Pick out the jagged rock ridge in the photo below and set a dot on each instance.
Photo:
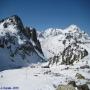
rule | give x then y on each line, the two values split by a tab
64	46
19	45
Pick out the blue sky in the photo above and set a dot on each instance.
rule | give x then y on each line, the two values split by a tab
43	14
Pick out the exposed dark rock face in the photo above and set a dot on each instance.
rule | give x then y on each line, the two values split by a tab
79	76
65	87
53	60
34	35
72	86
83	87
31	34
85	66
73	83
38	46
72	52
15	20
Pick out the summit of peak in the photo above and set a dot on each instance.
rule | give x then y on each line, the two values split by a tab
56	31
12	20
11	24
73	28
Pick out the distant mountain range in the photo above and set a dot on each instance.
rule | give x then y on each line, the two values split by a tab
54	59
22	46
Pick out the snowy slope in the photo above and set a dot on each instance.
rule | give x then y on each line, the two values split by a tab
37	78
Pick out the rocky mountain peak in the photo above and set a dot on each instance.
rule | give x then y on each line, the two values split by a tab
66	47
11	25
18	43
73	29
14	19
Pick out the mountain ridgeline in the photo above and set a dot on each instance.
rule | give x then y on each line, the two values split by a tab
22	46
67	46
19	45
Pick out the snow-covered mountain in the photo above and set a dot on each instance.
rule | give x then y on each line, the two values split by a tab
67	52
65	46
19	45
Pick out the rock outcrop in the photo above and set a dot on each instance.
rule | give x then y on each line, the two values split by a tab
19	45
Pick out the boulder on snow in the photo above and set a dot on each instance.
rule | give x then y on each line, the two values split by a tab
72	86
83	87
79	76
66	87
85	66
73	83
